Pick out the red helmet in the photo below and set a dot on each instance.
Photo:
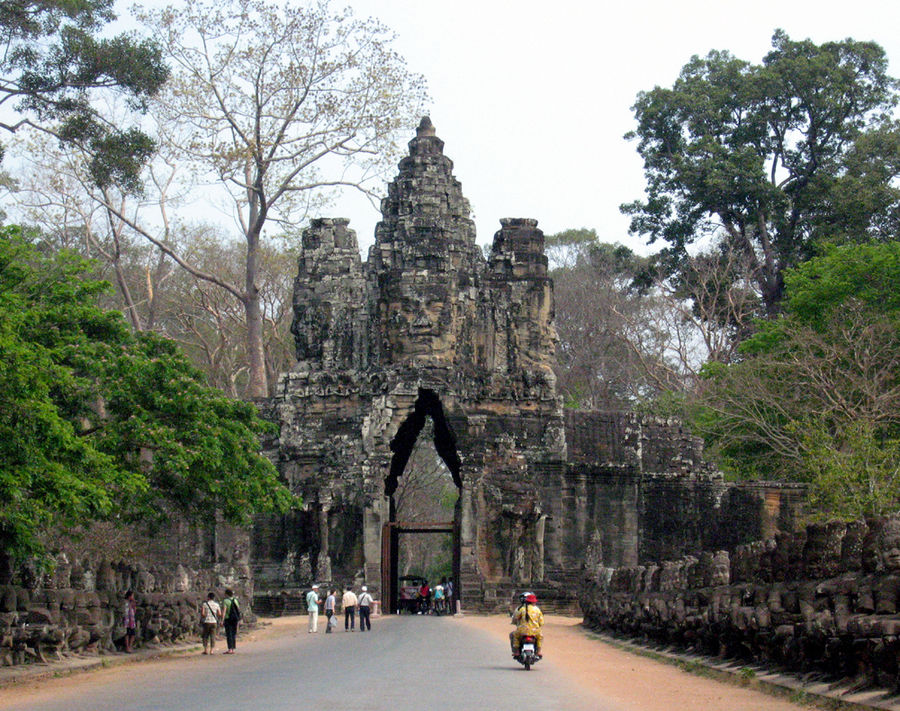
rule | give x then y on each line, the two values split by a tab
531	598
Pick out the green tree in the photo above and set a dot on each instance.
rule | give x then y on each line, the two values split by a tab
771	157
816	397
96	422
55	64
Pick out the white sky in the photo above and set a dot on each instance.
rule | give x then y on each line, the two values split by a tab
532	98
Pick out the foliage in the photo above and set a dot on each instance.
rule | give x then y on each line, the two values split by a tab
816	397
276	105
771	157
629	333
426	492
596	366
149	287
100	423
55	64
861	477
49	473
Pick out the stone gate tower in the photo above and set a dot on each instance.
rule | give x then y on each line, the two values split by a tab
429	327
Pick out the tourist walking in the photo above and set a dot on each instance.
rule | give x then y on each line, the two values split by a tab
439	599
129	619
329	611
210	614
231	611
312	607
348	603
448	596
365	609
424	599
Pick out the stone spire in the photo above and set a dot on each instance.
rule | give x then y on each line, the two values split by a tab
426	128
425	257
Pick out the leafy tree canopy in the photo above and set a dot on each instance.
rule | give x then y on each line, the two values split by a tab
772	157
96	422
54	65
817	396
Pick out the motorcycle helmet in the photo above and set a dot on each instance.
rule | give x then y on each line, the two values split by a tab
522	597
531	598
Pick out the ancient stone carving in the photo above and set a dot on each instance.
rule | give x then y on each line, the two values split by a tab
833	618
428	327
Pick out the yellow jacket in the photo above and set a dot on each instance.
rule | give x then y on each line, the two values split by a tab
528	619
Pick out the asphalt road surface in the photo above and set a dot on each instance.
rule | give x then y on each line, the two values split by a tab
406	663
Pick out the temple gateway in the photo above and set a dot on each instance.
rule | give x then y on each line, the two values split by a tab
429	328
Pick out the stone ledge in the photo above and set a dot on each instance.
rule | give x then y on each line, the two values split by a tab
76	664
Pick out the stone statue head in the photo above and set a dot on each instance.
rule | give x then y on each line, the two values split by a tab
721	569
871	555
890	544
851	545
822	552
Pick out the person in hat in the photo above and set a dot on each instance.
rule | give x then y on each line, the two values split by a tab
529	620
312	607
365	608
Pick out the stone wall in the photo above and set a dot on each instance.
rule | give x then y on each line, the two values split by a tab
427	327
824	599
74	604
430	327
640	483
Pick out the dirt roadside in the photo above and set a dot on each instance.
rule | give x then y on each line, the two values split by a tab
632	681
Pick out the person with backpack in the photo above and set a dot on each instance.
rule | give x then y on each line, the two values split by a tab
232	614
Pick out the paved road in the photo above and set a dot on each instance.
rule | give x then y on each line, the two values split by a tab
405	663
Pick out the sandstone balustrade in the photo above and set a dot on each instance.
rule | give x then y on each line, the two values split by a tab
79	610
823	601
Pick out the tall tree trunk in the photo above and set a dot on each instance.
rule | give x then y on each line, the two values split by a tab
259	382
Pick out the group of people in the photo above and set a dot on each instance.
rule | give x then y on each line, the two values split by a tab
212	614
528	618
437	600
351	605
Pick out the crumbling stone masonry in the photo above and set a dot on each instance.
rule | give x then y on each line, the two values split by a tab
429	327
77	606
823	600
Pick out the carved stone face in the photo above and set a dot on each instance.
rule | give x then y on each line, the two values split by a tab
890	545
721	569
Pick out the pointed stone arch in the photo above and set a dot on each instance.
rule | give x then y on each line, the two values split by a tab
427	404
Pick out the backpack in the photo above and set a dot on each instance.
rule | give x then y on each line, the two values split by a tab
234	612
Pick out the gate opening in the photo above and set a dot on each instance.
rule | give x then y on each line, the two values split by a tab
421	539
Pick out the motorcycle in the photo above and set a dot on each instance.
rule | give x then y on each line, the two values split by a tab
527	655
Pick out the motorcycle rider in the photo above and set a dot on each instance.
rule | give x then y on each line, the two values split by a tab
529	620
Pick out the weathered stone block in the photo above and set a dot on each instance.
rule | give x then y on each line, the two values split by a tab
8	598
